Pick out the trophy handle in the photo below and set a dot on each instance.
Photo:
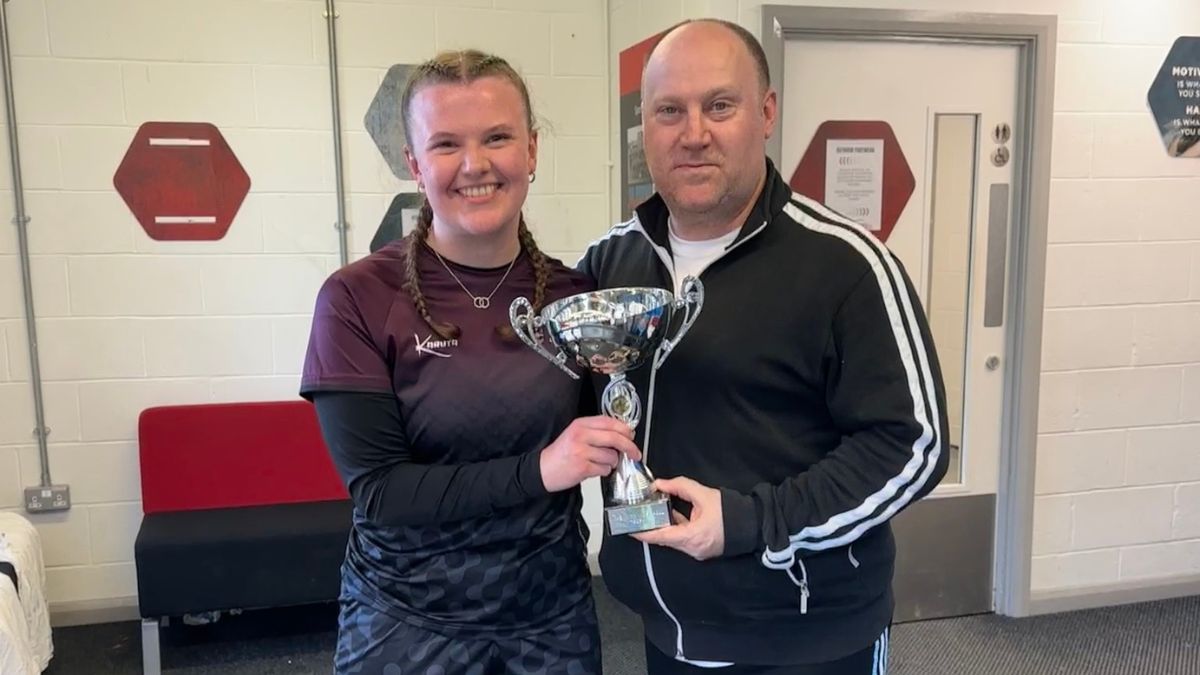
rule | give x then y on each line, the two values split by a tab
691	301
526	325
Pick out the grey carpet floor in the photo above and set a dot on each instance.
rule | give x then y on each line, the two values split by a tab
1159	638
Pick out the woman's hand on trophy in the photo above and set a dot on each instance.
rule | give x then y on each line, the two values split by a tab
589	446
703	535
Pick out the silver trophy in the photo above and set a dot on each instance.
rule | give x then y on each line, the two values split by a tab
611	332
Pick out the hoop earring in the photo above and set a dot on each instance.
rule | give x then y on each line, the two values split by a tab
421	188
532	176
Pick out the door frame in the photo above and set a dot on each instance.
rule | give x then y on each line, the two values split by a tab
1036	38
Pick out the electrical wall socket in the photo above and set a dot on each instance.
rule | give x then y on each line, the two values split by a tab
48	498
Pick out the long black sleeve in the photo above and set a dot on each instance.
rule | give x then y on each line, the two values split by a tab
365	436
885	393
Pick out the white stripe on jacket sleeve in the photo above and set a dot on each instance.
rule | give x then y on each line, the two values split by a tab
926	448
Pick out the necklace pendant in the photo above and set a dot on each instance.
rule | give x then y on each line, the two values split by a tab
482	302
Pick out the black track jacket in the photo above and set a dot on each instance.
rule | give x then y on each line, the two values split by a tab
808	391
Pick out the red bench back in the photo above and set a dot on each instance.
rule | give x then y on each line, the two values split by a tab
220	455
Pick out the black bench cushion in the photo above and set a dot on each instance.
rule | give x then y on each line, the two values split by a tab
240	558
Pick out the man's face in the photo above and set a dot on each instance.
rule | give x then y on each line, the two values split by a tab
705	121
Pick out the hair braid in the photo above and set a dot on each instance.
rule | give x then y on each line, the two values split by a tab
541	274
541	268
412	280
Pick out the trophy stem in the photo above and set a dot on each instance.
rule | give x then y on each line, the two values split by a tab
631	481
621	400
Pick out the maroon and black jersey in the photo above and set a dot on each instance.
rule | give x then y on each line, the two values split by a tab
453	528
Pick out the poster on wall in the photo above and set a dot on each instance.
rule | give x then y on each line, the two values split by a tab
854	179
1174	98
400	219
636	185
384	123
181	181
857	168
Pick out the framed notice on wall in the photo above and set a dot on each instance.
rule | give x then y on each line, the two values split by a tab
854	179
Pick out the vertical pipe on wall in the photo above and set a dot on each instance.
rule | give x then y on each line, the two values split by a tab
339	180
610	87
21	220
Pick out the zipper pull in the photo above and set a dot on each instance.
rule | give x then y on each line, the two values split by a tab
802	582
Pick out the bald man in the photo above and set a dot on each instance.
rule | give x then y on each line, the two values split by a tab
804	409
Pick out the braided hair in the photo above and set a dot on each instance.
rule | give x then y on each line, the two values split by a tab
464	67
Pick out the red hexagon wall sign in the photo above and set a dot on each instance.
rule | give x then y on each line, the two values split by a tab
871	179
181	181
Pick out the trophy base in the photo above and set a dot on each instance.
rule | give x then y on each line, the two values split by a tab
648	515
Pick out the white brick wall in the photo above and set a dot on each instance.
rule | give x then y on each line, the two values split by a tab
218	31
376	34
98	473
265	388
126	322
1190	406
494	30
220	94
1080	275
1119	450
79	222
1163	455
98	83
1161	561
1121	325
10	478
74	583
4	368
1089	568
1081	461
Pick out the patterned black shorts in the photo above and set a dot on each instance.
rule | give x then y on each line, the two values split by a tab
372	642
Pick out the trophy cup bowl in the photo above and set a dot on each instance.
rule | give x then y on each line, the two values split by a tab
611	332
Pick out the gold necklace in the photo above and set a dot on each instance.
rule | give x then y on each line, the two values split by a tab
480	301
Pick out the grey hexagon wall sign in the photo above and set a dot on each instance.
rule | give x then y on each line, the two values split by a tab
400	219
1174	98
384	122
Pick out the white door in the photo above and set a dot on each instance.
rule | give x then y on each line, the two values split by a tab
951	108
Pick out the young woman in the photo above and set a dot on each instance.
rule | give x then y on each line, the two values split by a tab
458	444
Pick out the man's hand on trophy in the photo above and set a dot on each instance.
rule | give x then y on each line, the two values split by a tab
589	446
703	535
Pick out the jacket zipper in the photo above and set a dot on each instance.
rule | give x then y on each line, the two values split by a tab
654	365
665	257
802	582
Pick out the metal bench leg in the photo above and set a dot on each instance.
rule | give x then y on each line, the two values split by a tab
151	658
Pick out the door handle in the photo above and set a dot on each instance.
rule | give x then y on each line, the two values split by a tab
997	254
